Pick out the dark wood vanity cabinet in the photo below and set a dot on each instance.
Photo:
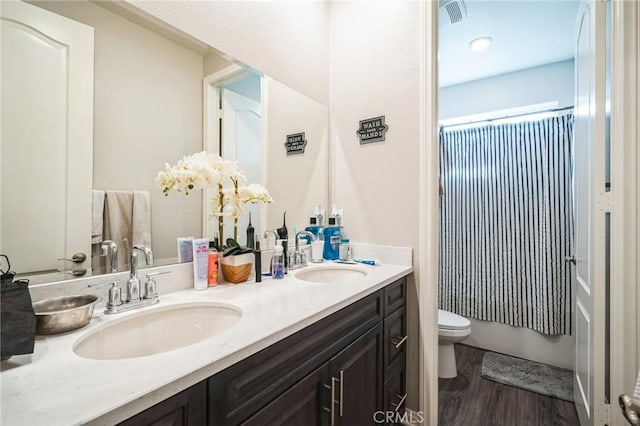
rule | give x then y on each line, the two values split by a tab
395	348
341	370
187	408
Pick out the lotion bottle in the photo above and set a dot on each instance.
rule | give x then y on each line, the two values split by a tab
200	263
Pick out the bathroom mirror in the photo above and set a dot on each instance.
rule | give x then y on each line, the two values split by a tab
149	108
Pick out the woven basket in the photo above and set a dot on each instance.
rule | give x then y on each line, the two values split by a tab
236	269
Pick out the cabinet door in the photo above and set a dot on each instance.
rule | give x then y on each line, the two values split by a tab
356	375
306	403
188	408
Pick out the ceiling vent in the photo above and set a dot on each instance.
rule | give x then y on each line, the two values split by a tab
452	12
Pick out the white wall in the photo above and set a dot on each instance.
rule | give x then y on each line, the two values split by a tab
375	70
287	40
147	111
546	83
298	182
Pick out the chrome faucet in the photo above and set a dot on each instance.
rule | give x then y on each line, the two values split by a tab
133	284
110	248
266	236
134	299
298	258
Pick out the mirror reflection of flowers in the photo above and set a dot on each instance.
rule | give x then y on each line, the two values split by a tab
202	171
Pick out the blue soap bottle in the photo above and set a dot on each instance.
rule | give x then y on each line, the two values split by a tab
315	228
315	224
331	240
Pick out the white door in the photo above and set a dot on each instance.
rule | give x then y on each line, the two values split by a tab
47	137
590	202
241	128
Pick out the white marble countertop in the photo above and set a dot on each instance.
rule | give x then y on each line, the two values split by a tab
54	386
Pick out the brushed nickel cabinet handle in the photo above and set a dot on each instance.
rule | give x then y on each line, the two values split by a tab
398	341
341	390
399	404
333	400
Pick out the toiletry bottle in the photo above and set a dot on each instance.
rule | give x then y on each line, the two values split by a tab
258	260
313	228
331	240
212	276
315	224
345	250
250	234
200	263
283	234
277	263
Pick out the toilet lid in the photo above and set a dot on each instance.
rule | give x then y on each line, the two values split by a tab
450	321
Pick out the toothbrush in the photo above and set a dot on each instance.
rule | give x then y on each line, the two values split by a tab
372	262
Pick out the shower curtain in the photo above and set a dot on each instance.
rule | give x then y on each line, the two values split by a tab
506	223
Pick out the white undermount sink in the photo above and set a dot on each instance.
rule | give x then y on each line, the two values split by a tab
331	274
157	330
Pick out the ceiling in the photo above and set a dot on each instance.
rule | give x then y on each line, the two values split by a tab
526	33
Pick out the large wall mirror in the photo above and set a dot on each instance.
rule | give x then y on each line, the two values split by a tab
138	94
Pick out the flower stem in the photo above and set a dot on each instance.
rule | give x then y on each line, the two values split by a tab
235	220
220	218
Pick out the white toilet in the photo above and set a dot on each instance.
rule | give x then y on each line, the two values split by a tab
452	328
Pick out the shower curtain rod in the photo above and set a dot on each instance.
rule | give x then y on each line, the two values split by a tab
502	117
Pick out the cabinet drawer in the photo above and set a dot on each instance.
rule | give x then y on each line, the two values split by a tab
187	408
395	338
304	404
395	393
395	295
244	388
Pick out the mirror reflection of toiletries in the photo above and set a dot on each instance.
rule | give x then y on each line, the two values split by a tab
150	107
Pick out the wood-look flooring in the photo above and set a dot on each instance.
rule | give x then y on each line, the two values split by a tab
470	400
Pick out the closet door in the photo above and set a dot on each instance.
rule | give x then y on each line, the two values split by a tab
590	207
47	137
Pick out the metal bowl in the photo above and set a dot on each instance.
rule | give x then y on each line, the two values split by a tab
64	313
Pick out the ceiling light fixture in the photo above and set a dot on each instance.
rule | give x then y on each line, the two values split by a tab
480	44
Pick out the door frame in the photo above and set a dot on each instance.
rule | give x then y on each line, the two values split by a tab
427	257
211	86
625	198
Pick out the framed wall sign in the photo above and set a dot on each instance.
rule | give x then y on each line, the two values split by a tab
372	130
295	143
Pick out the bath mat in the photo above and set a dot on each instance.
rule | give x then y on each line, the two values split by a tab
529	375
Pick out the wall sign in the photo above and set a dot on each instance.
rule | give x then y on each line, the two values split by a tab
295	143
372	130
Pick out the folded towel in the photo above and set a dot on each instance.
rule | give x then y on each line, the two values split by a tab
118	219
127	221
97	215
141	225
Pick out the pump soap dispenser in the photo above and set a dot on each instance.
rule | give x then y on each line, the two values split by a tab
283	234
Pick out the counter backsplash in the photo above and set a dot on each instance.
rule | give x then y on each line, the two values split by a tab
181	276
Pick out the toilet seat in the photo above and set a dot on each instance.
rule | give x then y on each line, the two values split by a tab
450	321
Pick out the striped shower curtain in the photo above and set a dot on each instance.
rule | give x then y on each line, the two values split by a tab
506	223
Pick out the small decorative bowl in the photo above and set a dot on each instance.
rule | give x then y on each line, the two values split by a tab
64	313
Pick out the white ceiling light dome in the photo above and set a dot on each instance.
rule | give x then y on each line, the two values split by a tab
480	44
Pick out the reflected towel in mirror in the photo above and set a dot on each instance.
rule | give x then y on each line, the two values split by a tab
97	215
127	221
